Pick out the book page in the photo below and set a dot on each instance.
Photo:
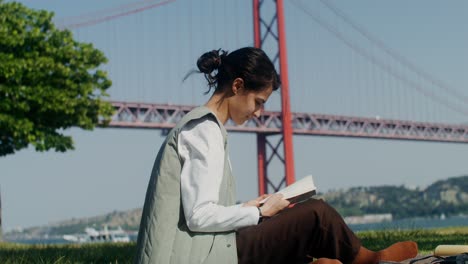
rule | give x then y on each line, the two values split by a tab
302	186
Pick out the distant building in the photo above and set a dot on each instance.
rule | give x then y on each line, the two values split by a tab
368	218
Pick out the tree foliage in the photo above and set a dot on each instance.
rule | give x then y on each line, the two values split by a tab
48	82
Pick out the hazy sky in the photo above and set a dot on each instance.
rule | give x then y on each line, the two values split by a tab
110	168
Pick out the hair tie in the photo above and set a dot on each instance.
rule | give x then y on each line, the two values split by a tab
217	58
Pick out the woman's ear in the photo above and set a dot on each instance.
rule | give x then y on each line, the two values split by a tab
237	85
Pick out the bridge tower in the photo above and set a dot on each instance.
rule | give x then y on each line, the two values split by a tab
265	16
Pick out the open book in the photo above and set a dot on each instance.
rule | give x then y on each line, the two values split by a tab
299	191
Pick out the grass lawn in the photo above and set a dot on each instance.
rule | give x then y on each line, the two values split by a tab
427	239
11	253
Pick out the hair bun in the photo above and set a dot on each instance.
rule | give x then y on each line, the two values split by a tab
210	61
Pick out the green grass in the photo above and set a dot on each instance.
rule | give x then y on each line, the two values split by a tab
427	239
11	253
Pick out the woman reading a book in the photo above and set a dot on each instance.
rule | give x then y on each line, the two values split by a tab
190	215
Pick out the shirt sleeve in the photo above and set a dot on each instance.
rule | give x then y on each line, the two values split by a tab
201	147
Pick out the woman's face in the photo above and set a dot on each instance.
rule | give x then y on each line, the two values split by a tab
246	104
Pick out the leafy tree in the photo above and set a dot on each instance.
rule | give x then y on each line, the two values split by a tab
48	82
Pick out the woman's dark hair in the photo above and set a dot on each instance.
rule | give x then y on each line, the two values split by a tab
250	64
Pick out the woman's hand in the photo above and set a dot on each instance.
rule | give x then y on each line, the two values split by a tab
273	205
256	202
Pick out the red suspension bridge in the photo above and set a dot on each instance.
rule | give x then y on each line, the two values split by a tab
404	86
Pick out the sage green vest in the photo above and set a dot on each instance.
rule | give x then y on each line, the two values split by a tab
164	236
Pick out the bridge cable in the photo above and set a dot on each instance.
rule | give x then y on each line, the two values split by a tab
375	61
94	20
392	53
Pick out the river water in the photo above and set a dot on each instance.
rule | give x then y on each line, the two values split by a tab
413	223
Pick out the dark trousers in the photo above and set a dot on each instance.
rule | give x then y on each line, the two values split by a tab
306	230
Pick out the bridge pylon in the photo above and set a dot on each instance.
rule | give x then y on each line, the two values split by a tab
266	14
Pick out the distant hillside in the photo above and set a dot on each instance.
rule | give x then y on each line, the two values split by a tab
446	196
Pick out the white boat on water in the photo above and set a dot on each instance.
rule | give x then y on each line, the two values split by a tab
92	235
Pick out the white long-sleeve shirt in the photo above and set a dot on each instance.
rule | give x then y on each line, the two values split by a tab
201	147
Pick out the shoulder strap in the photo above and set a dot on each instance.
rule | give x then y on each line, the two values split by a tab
455	259
422	258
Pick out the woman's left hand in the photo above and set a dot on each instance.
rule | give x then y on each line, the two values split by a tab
256	202
273	205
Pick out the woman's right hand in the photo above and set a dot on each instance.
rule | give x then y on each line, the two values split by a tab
273	205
